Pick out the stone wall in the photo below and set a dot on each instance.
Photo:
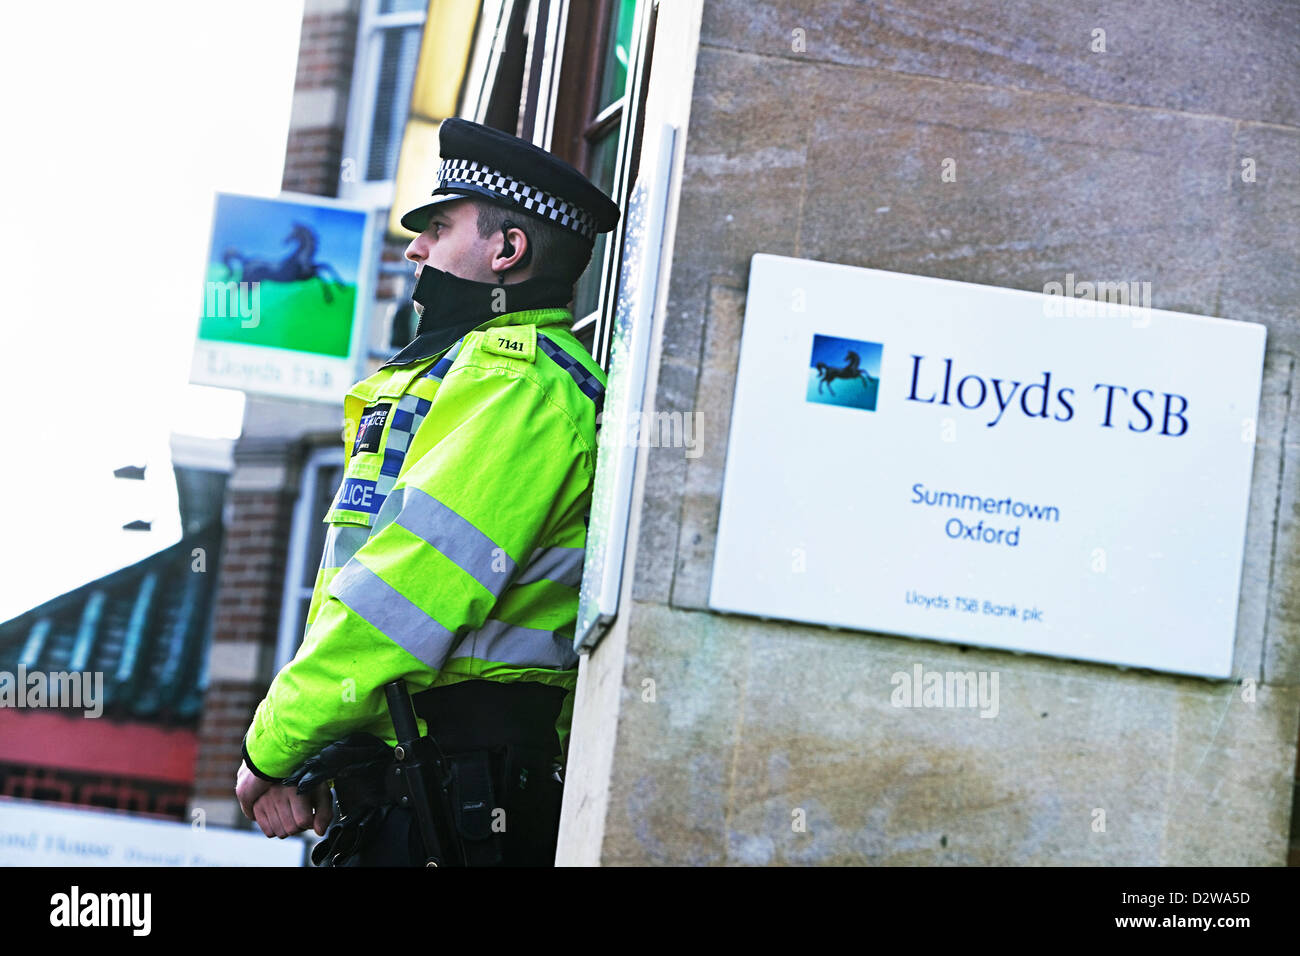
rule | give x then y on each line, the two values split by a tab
818	130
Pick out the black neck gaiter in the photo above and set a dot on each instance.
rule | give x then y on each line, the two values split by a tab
454	306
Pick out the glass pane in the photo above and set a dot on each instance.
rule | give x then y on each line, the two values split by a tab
604	159
401	6
328	479
399	50
588	288
613	76
304	606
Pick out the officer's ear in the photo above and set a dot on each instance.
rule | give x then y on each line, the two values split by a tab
516	249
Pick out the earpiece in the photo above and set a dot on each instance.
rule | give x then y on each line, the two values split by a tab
508	248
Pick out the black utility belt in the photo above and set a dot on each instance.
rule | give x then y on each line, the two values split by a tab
490	741
384	787
476	791
480	713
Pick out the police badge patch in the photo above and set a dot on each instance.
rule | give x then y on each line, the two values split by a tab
371	427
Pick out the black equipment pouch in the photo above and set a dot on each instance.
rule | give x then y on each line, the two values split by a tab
474	803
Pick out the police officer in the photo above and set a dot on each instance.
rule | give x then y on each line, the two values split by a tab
454	545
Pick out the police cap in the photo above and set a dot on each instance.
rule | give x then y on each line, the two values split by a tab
482	162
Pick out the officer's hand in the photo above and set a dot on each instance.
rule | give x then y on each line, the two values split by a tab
282	811
248	788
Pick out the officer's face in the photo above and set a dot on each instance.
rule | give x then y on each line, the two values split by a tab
452	243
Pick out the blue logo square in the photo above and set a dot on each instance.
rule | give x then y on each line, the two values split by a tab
844	372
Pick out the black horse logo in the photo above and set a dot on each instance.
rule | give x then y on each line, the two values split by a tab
298	266
826	374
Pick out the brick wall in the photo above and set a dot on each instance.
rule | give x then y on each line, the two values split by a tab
311	162
325	57
228	710
141	797
252	563
246	615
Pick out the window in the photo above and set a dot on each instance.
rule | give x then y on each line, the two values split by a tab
600	133
388	46
322	473
570	75
588	119
497	76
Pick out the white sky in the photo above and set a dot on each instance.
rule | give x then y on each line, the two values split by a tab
119	121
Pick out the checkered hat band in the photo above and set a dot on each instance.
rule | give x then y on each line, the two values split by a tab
453	172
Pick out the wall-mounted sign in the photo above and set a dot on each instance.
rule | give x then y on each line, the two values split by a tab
41	834
286	287
1027	471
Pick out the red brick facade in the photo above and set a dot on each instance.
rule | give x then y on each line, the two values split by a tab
246	614
312	160
228	709
326	48
252	564
145	798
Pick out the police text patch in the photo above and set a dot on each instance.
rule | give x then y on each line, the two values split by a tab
371	427
358	494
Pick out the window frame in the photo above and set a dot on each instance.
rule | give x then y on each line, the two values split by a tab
501	22
361	102
485	59
588	39
631	119
292	623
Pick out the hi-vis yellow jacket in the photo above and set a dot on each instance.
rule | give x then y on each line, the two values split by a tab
456	540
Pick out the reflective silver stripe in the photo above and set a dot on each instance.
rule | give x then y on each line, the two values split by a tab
473	551
561	565
505	643
384	486
385	609
389	510
341	542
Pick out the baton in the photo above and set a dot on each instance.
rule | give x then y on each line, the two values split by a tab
411	768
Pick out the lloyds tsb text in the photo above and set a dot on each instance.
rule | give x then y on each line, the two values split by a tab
1116	404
